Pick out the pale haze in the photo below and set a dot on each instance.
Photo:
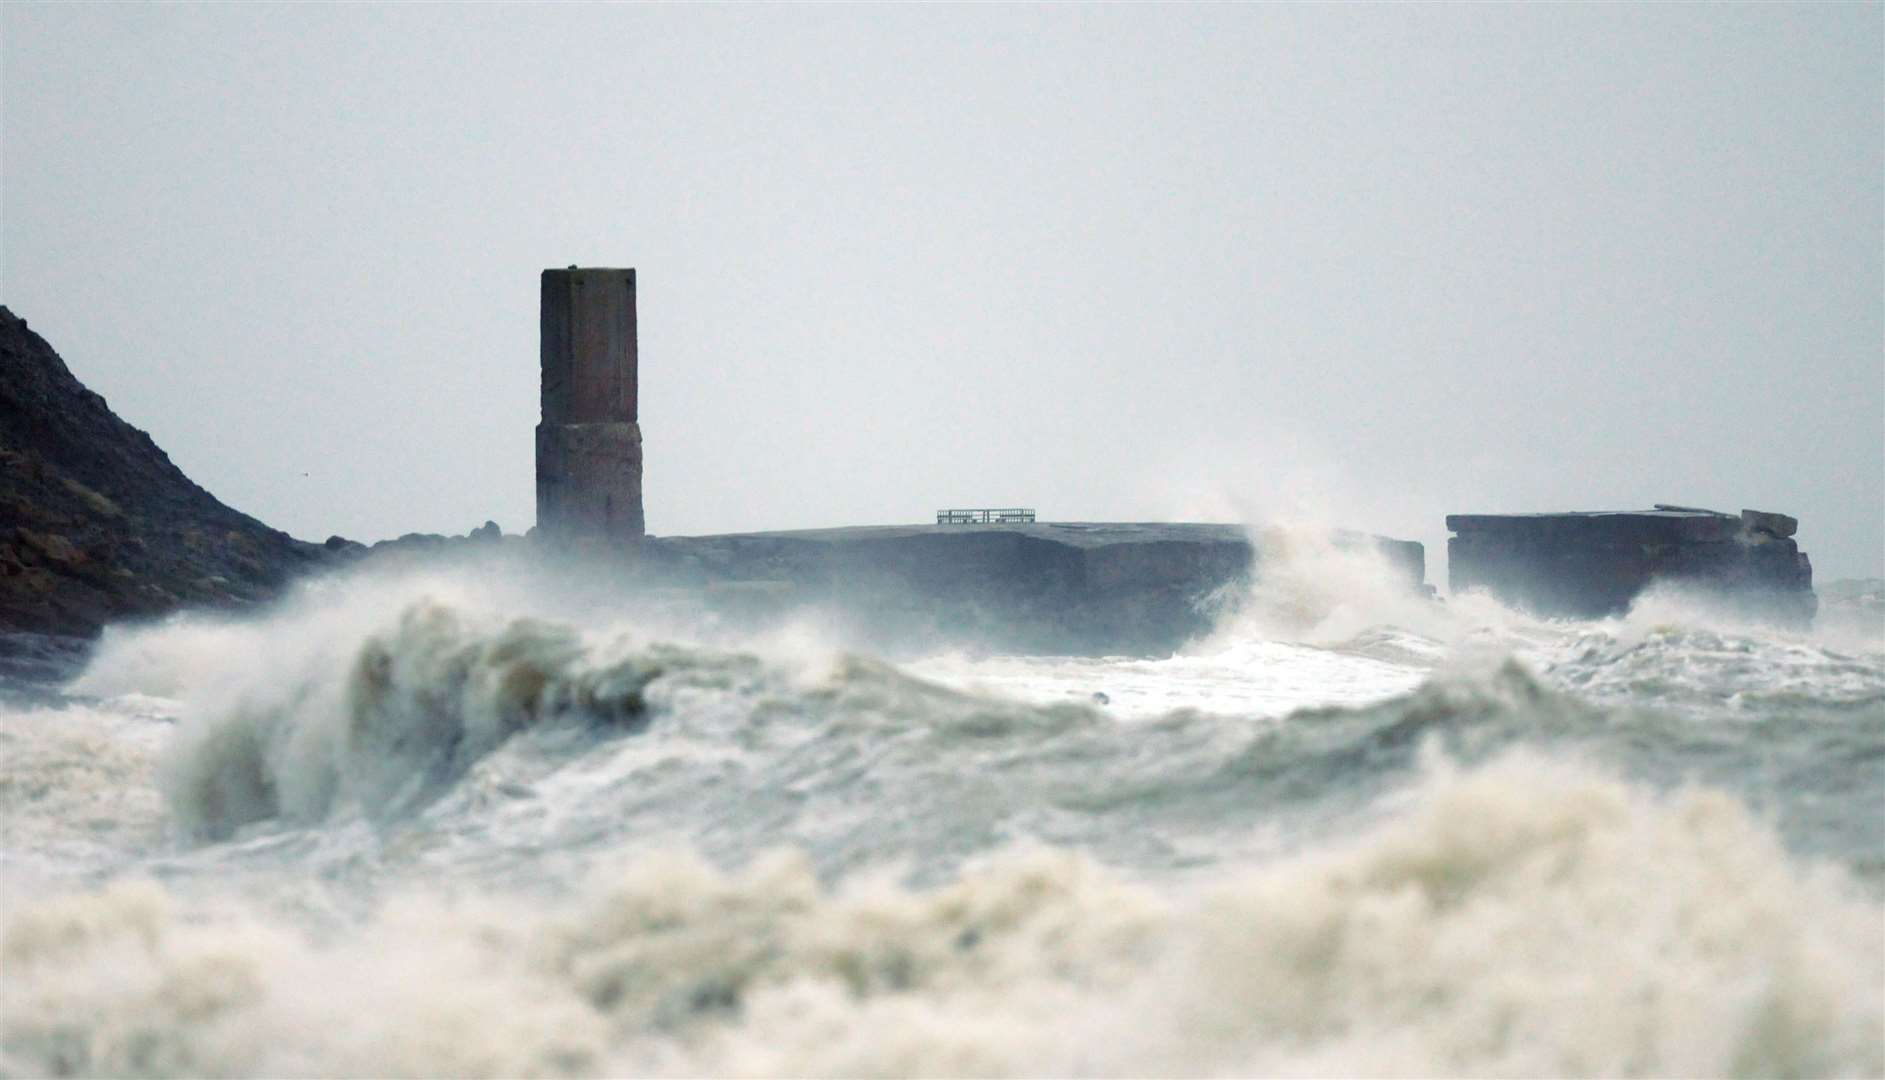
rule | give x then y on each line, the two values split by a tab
1365	264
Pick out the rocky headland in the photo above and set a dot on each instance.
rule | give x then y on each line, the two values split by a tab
97	524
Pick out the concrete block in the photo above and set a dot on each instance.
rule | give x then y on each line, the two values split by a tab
589	481
1632	527
589	356
1777	524
1587	565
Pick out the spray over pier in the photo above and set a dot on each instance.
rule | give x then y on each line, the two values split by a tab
1066	586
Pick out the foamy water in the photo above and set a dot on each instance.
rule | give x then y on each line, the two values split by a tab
461	823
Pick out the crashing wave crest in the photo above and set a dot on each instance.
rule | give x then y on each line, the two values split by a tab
1526	917
406	711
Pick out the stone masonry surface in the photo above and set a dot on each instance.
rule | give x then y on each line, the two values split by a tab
589	443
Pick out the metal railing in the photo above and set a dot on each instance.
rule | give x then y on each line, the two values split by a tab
1008	516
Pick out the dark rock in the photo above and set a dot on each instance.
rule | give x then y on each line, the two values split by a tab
413	542
343	548
38	660
96	524
1591	565
1773	524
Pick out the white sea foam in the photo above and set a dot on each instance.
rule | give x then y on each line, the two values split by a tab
77	793
1312	585
1522	918
1249	677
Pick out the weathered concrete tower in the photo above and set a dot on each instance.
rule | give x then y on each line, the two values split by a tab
589	444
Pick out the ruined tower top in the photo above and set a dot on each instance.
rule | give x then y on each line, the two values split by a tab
588	326
589	444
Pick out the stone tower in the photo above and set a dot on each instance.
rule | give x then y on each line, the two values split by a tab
589	444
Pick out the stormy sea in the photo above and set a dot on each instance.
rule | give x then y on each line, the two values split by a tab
479	818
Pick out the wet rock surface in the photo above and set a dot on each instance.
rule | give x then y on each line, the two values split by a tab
97	524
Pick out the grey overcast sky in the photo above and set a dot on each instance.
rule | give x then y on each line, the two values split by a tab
1373	264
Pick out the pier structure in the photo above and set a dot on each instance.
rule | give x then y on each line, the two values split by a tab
589	441
1591	565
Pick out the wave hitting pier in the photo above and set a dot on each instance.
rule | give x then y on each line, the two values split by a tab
1594	564
1075	588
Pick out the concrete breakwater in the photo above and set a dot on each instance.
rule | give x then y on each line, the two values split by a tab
97	525
1063	587
1589	565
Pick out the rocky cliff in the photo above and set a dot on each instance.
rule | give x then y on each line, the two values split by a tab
96	524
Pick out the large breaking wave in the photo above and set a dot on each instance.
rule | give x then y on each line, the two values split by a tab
1519	918
421	827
